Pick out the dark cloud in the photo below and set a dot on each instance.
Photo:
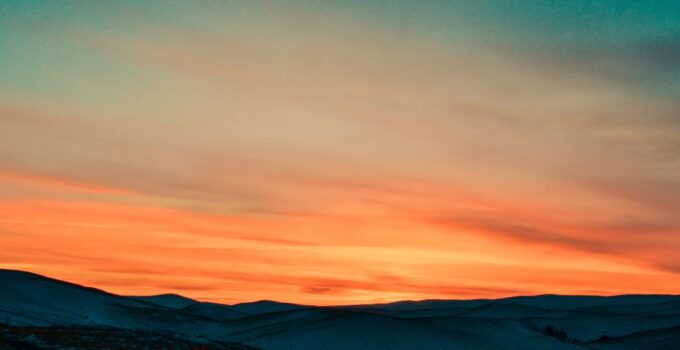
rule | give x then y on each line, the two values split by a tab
319	290
646	241
654	62
662	54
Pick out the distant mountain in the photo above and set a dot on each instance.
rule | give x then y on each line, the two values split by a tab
265	306
44	313
172	301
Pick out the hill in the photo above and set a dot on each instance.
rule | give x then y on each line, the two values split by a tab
36	311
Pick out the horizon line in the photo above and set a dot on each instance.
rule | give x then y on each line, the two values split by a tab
203	299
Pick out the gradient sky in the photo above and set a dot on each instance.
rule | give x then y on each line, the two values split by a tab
342	152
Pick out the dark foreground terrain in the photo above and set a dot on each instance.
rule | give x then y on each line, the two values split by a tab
33	338
37	312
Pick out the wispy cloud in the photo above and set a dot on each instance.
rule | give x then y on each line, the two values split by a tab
343	157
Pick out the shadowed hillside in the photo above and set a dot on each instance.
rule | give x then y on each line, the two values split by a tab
37	312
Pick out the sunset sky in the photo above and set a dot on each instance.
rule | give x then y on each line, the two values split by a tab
340	152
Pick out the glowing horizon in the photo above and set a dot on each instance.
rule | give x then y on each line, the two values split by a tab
342	152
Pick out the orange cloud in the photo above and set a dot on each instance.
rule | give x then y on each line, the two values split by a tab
133	249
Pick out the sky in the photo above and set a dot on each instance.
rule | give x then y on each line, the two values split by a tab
342	152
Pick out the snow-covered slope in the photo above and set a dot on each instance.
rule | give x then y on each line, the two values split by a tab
218	312
541	322
28	299
570	302
336	329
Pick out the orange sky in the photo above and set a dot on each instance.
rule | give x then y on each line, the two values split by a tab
386	246
331	155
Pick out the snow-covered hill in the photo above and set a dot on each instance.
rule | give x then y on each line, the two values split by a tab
30	301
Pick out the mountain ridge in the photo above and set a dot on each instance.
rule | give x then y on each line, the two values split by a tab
546	321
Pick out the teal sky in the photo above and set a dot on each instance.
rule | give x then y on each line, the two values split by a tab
636	40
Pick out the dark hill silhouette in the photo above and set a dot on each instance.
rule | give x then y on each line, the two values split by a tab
50	310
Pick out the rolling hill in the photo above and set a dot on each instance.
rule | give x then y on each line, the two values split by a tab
40	312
